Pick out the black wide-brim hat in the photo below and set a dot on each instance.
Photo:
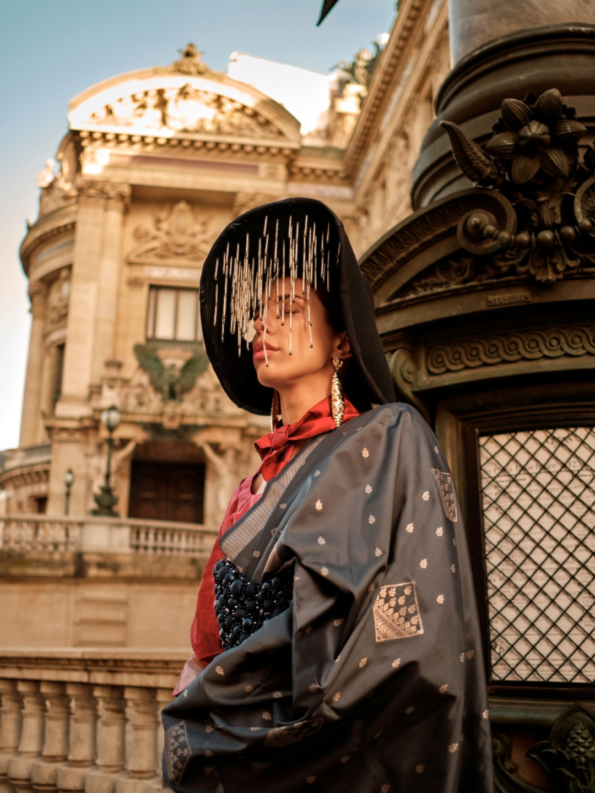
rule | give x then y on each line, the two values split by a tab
369	380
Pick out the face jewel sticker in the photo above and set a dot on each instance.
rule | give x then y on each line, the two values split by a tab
393	620
446	489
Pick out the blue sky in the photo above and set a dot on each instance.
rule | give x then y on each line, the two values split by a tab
51	50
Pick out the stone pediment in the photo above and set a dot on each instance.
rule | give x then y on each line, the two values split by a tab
160	104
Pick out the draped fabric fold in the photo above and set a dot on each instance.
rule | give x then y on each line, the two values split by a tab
373	681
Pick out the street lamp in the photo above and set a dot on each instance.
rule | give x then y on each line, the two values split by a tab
106	500
68	479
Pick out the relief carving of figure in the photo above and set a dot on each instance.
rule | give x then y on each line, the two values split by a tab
58	298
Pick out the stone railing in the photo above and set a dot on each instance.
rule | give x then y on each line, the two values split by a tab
84	720
120	535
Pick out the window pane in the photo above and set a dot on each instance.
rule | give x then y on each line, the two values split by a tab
151	314
186	321
166	312
538	490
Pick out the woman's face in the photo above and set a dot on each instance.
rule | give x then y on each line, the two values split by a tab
312	347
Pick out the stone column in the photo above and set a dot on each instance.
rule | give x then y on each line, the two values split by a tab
141	713
32	400
81	755
109	278
474	23
44	772
110	740
10	728
31	740
89	290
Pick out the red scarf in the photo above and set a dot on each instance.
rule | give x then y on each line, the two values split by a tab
276	448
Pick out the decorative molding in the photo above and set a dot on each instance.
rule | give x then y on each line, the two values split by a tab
94	188
190	63
532	158
574	341
58	299
184	109
177	235
424	229
567	758
402	368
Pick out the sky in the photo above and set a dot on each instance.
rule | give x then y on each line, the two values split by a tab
51	50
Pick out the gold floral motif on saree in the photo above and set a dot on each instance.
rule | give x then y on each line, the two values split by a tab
294	733
177	751
446	489
396	612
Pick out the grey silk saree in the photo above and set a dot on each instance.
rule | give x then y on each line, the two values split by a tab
373	680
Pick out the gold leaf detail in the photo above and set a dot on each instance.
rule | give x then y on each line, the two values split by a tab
256	554
337	696
391	624
368	488
409	528
409	710
486	714
321	541
310	780
219	670
365	453
277	695
345	759
453	568
266	716
377	552
363	662
208	753
443	689
396	663
470	654
324	571
440	599
371	519
249	689
337	622
453	748
423	564
439	531
319	505
208	728
419	769
426	495
313	688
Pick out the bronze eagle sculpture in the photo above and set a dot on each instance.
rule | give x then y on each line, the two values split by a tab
172	382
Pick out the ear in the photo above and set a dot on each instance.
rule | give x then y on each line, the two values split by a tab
342	347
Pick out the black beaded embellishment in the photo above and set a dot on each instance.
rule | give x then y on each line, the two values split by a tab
243	607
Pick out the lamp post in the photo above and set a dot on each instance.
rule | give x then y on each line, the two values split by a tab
106	500
68	483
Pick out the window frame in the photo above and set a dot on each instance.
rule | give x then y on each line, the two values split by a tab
151	316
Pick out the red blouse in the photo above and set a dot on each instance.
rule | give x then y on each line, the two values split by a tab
275	449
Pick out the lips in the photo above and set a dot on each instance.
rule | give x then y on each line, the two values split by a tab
258	349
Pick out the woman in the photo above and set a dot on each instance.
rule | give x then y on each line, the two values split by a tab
342	652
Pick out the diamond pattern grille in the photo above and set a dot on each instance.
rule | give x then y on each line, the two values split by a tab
538	491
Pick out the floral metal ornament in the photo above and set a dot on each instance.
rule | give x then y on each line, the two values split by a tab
532	161
536	133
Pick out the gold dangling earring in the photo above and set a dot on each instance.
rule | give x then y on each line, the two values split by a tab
337	398
275	410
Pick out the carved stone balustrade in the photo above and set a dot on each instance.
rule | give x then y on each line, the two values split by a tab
111	535
84	720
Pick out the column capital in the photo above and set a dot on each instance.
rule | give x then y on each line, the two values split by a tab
102	188
38	294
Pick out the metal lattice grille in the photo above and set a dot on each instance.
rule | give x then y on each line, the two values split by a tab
538	495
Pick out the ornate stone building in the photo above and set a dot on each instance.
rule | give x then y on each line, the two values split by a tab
154	164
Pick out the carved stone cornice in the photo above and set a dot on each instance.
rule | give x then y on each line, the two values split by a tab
383	80
135	141
94	188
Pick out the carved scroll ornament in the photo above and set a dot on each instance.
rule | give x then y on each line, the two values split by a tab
574	341
532	158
